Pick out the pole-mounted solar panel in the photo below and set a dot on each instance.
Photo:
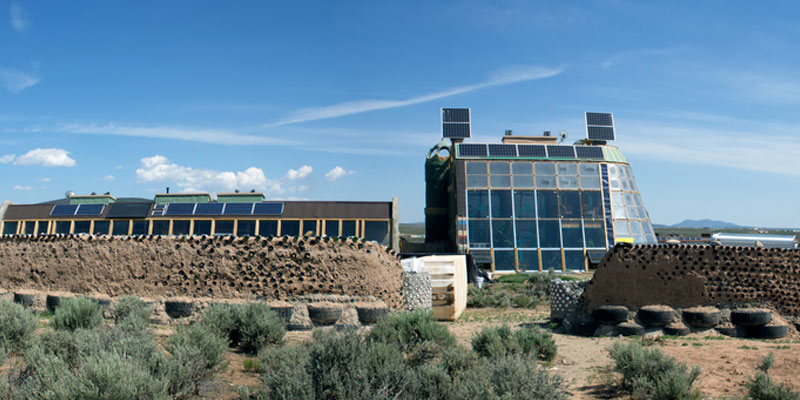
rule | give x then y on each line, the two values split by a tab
456	123
600	126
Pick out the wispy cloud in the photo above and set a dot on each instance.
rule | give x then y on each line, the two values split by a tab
637	53
15	80
20	187
7	158
336	173
502	77
109	178
212	136
45	180
19	18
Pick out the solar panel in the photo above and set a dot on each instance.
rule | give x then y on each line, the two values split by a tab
453	130
208	209
601	119
600	132
589	152
268	209
159	206
238	208
471	150
62	210
180	209
502	150
158	213
455	123
561	151
528	150
455	114
90	209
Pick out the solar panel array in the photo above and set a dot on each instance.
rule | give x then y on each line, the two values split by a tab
480	150
268	208
456	123
68	210
600	126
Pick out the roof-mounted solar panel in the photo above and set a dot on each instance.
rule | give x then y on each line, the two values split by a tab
268	209
180	209
589	152
600	119
90	209
561	151
209	209
600	126
502	150
456	123
64	210
471	150
531	150
600	133
238	208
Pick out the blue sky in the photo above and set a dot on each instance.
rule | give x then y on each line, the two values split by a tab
340	100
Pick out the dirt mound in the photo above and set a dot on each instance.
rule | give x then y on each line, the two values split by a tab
222	267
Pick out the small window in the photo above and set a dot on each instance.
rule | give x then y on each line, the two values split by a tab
522	168
567	182
82	227
595	234
567	169
621	229
572	233
202	227
613	171
501	204
549	234
504	261
591	204
479	233
574	260
569	204
547	203
500	181
290	228
377	231
246	227
477	168
526	233
101	227
590	169
498	168
617	205
161	227
10	228
331	228
477	181
545	182
349	228
43	228
502	233
140	227
478	203
524	204
551	259
590	182
30	227
528	260
120	228
268	227
181	227
523	181
223	228
545	169
310	228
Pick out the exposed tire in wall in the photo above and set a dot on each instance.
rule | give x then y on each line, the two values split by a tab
26	299
797	325
702	317
768	331
324	314
751	316
371	315
728	330
283	311
54	301
610	314
630	329
178	309
656	315
104	302
676	329
299	326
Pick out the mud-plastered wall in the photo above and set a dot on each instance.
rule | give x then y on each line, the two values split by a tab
216	267
686	276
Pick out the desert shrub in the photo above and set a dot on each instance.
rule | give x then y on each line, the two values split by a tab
210	343
500	299
285	374
45	376
648	373
259	326
477	298
525	300
17	326
132	309
183	370
110	375
518	377
495	342
252	365
78	312
537	342
415	333
456	359
762	387
224	318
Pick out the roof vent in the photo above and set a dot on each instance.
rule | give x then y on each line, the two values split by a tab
508	132
546	133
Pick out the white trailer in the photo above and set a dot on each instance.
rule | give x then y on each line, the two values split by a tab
753	240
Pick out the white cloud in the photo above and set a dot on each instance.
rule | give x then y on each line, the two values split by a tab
502	77
19	20
46	158
15	80
118	167
109	178
337	173
213	136
7	158
160	169
300	173
45	180
616	58
20	187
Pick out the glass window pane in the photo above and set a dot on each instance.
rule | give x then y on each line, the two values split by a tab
591	204
621	228
547	203
572	233
246	227
574	260
501	204
309	228
545	168
622	172
120	228
523	181
30	226
590	182
377	231
636	228
526	233
565	169
477	181
504	260
522	168
613	171
180	227
502	233
10	228
499	168
551	259
267	227
331	228
500	181
202	227
44	227
638	240
161	227
290	227
629	200
545	182
223	228
524	204
617	205
625	185
549	234
568	182
62	227
101	227
614	184
82	227
633	213
478	168
478	203
479	233
140	227
528	260
595	233
349	228
648	229
590	169
569	203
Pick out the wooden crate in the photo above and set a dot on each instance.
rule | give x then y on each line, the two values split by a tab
448	285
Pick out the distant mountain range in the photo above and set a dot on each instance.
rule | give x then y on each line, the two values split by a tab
701	223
